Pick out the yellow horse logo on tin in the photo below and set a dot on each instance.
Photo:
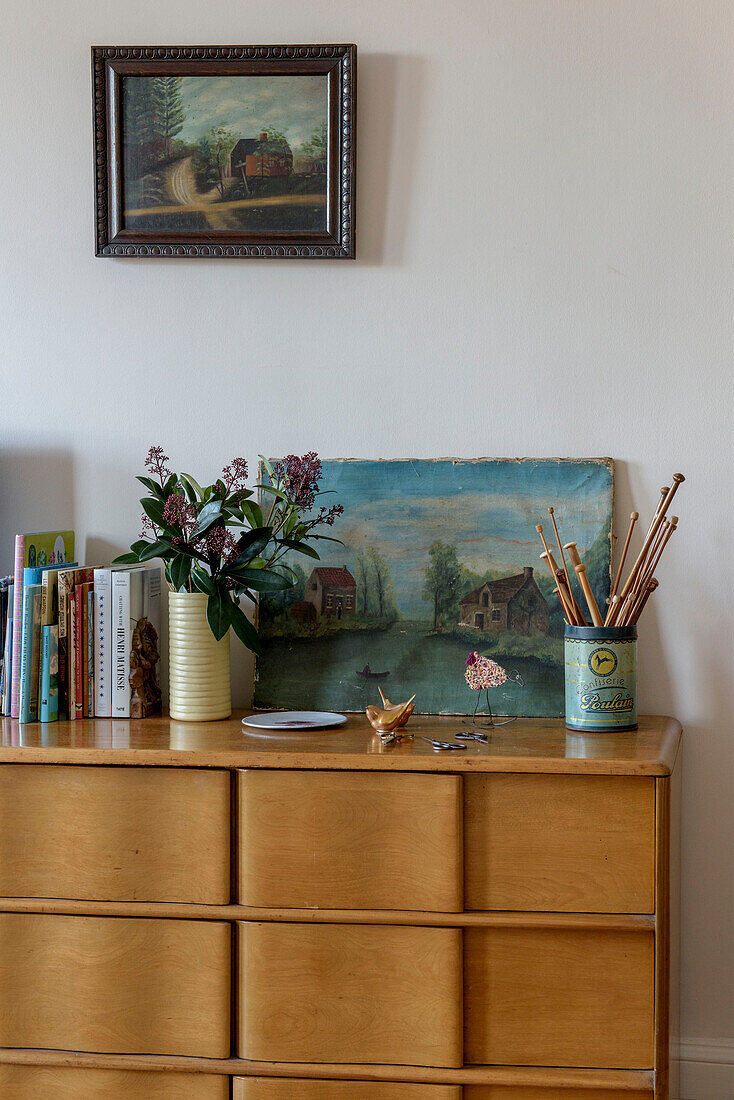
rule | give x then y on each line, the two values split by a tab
602	662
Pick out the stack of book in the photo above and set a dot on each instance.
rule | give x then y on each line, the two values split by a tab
78	641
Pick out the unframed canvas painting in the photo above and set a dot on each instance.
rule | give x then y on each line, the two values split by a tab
439	558
232	153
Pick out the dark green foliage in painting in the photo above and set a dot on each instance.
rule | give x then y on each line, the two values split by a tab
442	587
316	145
168	109
221	142
139	124
274	604
204	166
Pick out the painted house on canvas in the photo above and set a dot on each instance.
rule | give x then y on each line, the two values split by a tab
509	603
332	591
256	158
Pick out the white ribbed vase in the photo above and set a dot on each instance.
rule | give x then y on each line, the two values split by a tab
198	663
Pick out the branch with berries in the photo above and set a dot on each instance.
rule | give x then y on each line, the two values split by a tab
216	539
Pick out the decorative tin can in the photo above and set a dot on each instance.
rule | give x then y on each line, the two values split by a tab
601	678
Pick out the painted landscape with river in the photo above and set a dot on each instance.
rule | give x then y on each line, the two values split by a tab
219	153
439	559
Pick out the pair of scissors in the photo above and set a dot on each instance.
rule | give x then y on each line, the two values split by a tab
442	746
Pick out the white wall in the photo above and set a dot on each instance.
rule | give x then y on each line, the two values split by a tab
545	268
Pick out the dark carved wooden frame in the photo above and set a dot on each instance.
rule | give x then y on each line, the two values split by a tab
111	63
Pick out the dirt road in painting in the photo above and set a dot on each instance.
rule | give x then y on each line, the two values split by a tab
181	185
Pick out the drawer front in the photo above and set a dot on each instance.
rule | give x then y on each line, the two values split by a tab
281	1088
350	993
521	1092
560	843
345	840
60	1083
559	998
114	834
118	986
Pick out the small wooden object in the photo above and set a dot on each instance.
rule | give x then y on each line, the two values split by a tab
391	716
593	608
634	516
580	621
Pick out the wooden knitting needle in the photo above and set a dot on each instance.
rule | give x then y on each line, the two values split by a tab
643	575
576	560
593	609
551	513
649	573
634	516
654	528
550	562
576	618
570	602
646	596
557	593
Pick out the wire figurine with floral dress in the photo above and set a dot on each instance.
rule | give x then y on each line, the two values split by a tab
481	674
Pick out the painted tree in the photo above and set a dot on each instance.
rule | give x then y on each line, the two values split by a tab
443	581
169	109
138	122
204	166
362	575
221	141
316	145
382	582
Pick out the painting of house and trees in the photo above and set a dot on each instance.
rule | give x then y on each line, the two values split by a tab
439	558
225	153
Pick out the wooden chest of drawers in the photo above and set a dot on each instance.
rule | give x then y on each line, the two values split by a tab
187	911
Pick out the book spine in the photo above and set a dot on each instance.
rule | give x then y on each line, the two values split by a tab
121	639
8	652
90	654
25	645
36	653
71	655
17	625
102	643
48	705
79	650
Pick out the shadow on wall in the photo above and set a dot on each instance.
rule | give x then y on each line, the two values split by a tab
38	495
391	89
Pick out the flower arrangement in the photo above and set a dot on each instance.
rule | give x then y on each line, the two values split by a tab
218	540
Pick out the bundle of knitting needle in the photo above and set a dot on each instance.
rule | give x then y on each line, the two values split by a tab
627	600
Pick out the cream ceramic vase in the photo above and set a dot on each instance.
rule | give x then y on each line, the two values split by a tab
198	663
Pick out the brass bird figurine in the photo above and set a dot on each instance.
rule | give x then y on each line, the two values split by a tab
391	716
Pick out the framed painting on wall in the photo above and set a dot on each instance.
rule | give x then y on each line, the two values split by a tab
439	559
233	151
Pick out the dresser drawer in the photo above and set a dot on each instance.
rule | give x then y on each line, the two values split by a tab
350	993
62	1083
560	843
521	1092
114	834
559	997
345	840
115	985
281	1088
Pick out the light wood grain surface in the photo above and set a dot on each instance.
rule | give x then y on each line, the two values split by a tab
528	745
46	1083
271	1088
510	1092
344	840
350	993
114	834
583	844
107	984
559	998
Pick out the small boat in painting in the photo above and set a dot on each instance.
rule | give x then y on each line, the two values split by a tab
368	674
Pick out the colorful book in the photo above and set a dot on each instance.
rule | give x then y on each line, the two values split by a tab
102	643
80	649
127	608
8	659
46	548
31	619
48	710
71	654
66	581
89	651
145	692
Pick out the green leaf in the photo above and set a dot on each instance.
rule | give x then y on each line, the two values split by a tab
271	489
126	559
300	547
327	538
170	485
153	509
253	512
261	580
188	489
268	466
180	572
158	549
187	479
139	545
219	613
244	630
154	486
208	516
251	545
202	580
